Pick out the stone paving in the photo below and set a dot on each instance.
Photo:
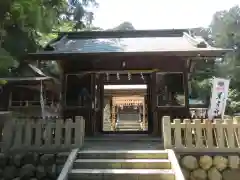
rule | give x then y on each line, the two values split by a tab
123	142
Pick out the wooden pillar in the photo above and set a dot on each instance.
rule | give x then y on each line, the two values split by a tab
63	93
143	112
113	115
146	112
154	105
185	84
93	98
101	104
149	104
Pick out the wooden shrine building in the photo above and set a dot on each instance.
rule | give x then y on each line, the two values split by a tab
21	94
160	59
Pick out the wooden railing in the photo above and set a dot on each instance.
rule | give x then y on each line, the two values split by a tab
43	135
202	135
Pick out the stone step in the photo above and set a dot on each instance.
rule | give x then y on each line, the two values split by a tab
122	164
128	116
106	127
129	130
128	122
128	125
110	174
122	154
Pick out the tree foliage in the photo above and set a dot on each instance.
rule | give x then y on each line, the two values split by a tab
124	27
224	32
26	25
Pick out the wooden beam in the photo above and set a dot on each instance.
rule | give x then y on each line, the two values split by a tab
124	34
125	82
135	79
134	64
60	56
128	100
132	71
124	93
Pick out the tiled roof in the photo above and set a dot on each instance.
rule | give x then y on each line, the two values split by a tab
136	44
72	45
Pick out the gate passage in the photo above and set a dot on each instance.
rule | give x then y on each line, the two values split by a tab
137	106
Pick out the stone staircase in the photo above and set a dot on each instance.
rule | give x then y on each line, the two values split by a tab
123	164
128	125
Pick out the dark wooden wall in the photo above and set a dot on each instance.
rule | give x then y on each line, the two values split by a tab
94	115
124	63
71	108
4	97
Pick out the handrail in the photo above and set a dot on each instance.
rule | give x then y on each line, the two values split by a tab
175	165
68	165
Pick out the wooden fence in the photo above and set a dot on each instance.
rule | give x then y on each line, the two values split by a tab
43	135
202	135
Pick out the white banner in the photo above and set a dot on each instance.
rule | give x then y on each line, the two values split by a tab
219	97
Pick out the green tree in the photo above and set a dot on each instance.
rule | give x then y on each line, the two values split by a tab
124	26
204	70
224	32
25	25
225	29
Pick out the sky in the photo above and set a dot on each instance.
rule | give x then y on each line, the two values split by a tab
159	14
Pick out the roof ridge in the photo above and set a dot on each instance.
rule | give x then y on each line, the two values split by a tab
195	42
36	70
124	34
